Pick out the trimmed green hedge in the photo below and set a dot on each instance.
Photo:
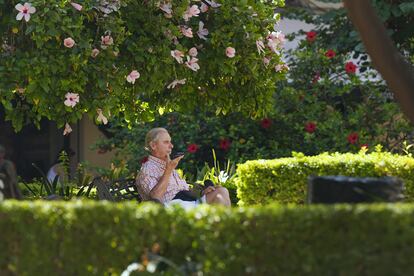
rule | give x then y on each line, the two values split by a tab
98	238
285	180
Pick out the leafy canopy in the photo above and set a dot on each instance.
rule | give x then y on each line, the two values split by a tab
109	57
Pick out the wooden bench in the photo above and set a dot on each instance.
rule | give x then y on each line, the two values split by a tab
117	190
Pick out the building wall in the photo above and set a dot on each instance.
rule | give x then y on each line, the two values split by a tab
83	137
288	26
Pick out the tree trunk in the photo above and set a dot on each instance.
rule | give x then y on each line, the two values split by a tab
398	74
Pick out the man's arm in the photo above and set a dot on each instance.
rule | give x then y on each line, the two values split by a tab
161	187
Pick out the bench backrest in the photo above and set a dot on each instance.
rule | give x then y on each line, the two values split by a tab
116	190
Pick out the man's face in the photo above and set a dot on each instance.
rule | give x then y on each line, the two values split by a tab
162	147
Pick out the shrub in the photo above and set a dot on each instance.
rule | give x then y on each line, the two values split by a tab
88	238
284	180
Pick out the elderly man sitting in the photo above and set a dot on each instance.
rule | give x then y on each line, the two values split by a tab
159	180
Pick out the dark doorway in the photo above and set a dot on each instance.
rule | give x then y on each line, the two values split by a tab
31	145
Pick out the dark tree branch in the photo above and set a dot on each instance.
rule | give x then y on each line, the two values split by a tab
398	74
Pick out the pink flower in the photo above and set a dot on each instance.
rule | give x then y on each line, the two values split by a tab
275	40
178	55
192	64
76	6
192	148
106	41
133	76
191	11
230	52
67	130
193	52
167	9
94	53
71	99
213	4
101	117
272	46
203	7
186	31
281	67
350	67
202	32
174	83
260	46
24	11
277	37
69	42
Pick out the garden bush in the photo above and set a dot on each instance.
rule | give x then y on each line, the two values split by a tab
285	180
88	238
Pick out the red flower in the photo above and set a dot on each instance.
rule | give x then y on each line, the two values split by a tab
364	146
144	160
353	138
266	123
192	148
311	36
350	67
310	127
316	77
224	144
330	53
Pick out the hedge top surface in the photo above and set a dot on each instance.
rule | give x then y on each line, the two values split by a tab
284	179
329	159
67	210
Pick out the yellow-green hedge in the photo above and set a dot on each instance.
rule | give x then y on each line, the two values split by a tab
98	238
285	180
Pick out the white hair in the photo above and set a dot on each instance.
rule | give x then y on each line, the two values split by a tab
153	136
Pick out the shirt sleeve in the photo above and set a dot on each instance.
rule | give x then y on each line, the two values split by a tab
145	183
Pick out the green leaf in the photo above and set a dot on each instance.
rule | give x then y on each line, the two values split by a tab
407	8
29	29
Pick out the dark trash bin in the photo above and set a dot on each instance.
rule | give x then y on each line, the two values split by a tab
344	189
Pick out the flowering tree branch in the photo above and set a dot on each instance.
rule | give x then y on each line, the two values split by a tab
133	58
385	56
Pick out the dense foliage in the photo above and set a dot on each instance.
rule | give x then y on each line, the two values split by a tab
337	32
285	180
87	238
327	104
60	59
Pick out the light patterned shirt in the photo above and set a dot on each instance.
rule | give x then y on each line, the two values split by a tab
151	173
